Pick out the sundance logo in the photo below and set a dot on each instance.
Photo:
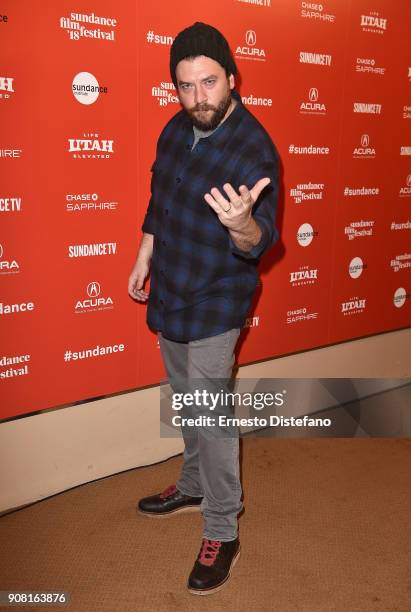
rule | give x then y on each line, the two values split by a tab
356	267
313	106
364	151
405	151
86	89
94	301
373	23
250	49
400	297
92	250
90	147
305	234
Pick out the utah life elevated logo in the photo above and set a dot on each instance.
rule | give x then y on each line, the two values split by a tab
90	147
312	106
373	23
250	50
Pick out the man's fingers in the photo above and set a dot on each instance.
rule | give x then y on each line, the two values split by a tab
258	187
232	194
216	200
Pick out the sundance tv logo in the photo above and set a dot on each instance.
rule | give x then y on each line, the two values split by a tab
305	234
313	105
250	50
90	147
400	297
86	89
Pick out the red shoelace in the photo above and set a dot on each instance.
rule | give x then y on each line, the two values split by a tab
209	551
169	491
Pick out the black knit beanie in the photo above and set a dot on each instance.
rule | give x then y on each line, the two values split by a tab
201	39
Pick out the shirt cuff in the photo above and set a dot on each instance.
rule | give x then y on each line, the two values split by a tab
256	250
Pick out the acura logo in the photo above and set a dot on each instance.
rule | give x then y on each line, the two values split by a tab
1	251
365	140
250	38
409	180
313	95
93	289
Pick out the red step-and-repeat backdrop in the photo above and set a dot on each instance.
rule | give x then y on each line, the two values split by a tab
84	93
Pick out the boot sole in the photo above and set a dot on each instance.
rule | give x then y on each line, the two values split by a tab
184	509
221	585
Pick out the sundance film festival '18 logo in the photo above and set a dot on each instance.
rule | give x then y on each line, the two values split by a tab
373	23
95	301
401	262
364	151
6	87
97	26
165	93
313	106
90	147
250	50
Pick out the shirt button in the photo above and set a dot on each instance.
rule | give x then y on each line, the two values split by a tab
178	180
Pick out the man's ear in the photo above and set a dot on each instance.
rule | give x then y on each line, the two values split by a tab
231	81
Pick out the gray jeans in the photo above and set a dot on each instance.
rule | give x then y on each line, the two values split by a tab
211	462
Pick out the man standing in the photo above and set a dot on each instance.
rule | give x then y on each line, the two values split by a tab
210	217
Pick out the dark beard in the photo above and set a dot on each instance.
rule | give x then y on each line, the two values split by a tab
216	117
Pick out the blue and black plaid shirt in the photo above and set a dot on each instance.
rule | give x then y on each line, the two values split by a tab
201	283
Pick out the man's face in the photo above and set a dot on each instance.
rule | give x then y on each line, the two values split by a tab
204	91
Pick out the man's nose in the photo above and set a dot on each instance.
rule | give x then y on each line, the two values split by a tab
199	94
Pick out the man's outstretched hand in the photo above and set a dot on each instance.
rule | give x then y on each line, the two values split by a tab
235	211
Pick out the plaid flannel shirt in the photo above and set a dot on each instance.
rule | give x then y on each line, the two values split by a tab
201	283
